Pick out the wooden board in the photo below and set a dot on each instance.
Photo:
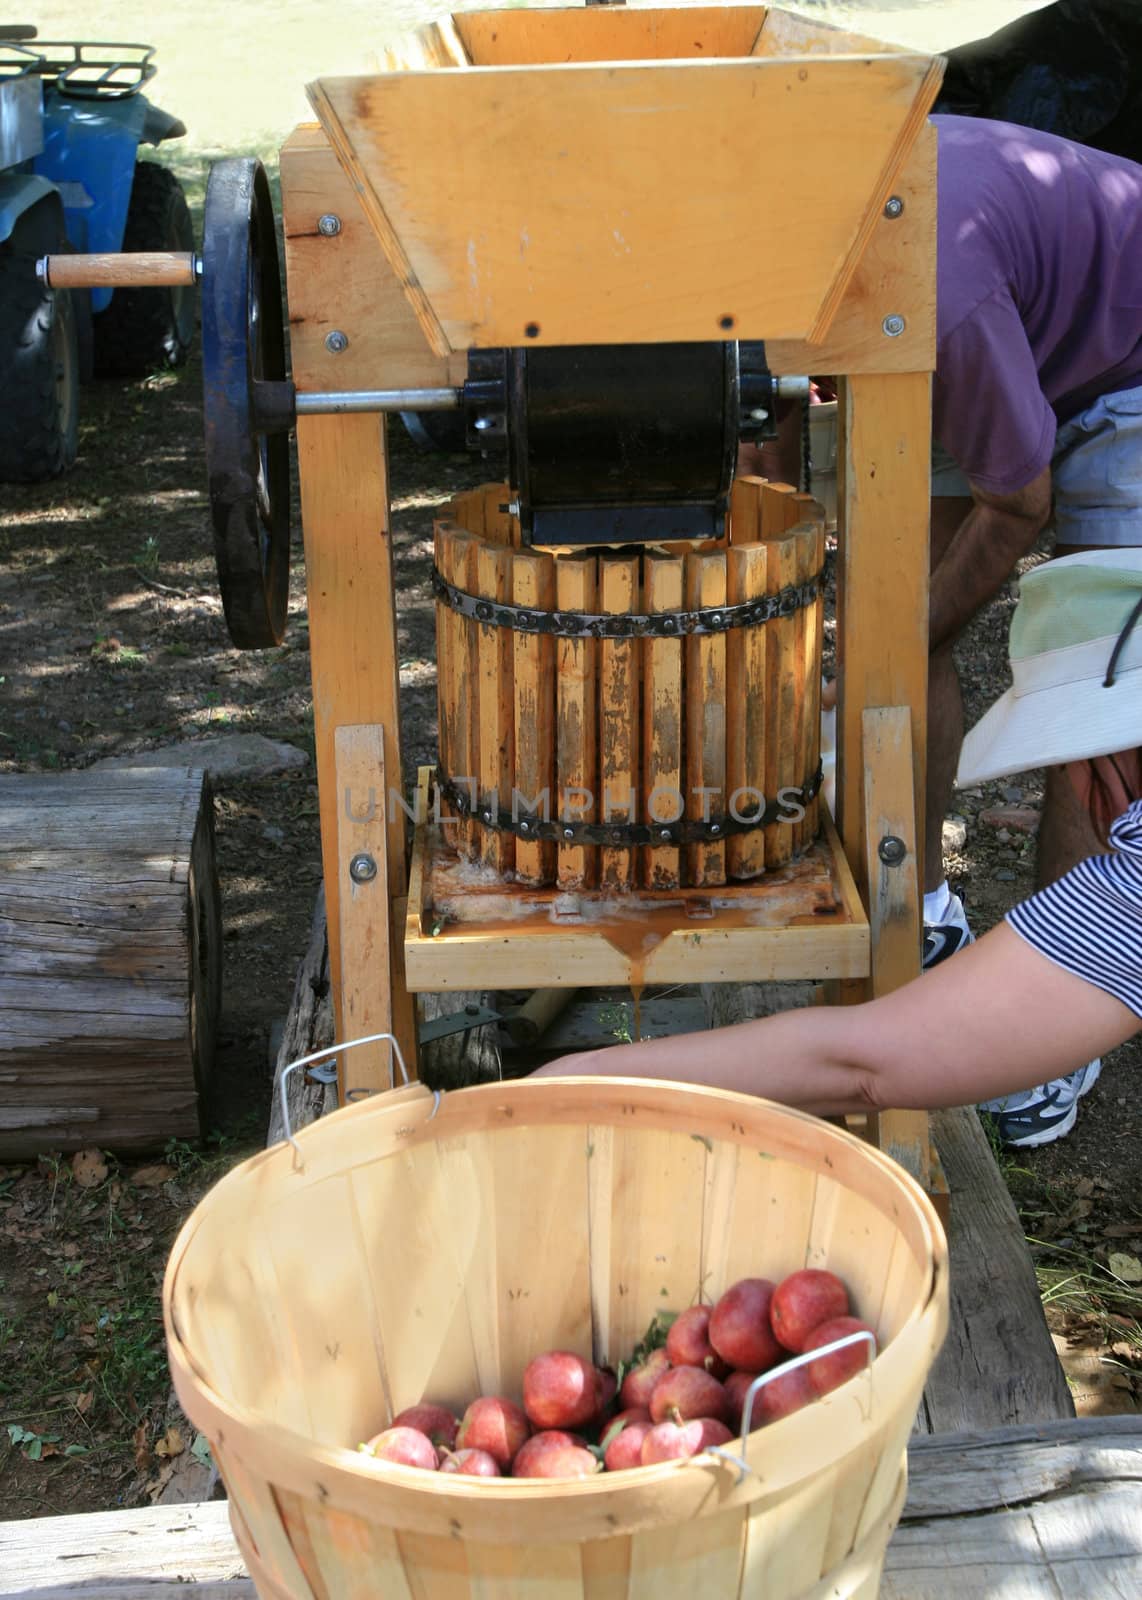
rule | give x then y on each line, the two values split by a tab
455	172
1029	1513
998	1364
346	282
110	958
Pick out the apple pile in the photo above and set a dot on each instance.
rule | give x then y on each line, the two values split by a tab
677	1396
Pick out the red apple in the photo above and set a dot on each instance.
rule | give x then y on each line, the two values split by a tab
688	1392
495	1425
555	1454
671	1441
471	1464
740	1331
638	1385
436	1421
622	1442
407	1447
783	1395
688	1342
560	1390
802	1301
737	1386
831	1371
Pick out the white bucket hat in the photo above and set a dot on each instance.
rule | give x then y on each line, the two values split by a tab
1076	662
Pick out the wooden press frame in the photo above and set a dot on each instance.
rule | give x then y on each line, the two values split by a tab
344	281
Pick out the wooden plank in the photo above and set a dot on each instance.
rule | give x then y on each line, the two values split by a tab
781	684
520	38
705	690
352	642
345	282
533	584
894	898
618	716
998	1365
437	44
802	923
662	719
576	721
363	911
882	572
617	134
462	680
813	645
496	741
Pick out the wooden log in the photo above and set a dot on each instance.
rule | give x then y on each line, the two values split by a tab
309	1027
662	719
533	666
458	1060
496	700
807	538
576	722
618	716
706	719
110	968
448	734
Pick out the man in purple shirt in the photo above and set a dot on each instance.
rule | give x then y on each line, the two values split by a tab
1037	394
1037	406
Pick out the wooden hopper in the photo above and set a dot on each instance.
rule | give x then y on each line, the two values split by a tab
598	175
412	1250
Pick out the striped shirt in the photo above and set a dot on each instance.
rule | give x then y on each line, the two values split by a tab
1090	921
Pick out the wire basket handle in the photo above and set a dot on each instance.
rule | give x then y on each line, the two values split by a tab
396	1059
760	1382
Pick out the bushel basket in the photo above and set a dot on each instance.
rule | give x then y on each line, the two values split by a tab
418	1247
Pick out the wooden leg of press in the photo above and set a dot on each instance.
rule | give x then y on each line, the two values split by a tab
353	657
894	905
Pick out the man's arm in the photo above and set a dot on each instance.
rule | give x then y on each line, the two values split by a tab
996	532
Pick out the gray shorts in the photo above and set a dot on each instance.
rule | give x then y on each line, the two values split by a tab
1096	470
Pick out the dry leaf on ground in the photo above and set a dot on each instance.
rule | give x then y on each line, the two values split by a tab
1128	1268
152	1177
88	1168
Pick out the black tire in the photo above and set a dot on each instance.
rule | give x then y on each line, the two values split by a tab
39	371
144	330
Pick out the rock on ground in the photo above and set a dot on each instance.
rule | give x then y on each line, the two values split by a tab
233	755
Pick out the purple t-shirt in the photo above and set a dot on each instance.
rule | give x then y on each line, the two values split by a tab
1038	292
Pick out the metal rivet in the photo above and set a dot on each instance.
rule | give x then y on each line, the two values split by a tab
715	828
525	827
891	850
665	833
726	322
893	326
486	816
893	206
532	330
758	415
715	619
329	225
362	868
336	341
569	833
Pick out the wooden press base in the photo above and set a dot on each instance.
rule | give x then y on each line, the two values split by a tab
466	930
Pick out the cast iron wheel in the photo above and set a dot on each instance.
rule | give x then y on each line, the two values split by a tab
39	370
247	455
144	330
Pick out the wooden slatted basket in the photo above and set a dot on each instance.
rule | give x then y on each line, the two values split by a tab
408	1249
632	730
